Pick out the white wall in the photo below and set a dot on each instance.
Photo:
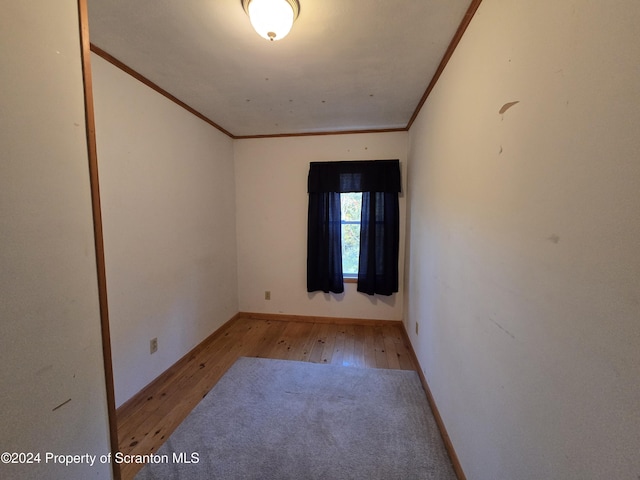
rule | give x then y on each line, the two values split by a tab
50	343
168	203
524	250
271	198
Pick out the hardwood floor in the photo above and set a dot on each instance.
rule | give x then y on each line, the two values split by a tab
147	420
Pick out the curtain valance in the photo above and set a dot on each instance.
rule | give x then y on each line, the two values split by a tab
354	176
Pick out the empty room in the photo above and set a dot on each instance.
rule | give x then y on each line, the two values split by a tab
397	239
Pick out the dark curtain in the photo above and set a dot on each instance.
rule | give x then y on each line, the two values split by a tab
379	181
324	243
379	243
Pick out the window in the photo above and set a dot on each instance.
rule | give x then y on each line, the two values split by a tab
332	236
350	214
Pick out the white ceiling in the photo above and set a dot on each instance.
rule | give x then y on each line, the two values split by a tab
346	65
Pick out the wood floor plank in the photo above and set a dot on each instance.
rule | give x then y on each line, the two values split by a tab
349	358
369	347
338	346
358	345
401	347
287	341
299	345
321	336
329	343
390	350
311	340
269	346
379	349
146	421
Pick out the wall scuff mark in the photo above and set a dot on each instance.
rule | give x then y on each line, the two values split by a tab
61	405
507	106
502	328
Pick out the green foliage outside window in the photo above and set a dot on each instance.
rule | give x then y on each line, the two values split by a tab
351	204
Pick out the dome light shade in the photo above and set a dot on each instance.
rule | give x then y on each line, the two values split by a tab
272	19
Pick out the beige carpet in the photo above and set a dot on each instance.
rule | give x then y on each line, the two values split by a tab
278	419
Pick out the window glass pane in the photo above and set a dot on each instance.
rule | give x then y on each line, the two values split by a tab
350	248
351	204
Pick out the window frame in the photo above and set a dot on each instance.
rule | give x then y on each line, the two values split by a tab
351	277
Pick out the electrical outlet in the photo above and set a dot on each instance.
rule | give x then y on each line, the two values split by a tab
416	328
267	295
153	345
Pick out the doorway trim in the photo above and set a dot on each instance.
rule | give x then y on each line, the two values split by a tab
85	54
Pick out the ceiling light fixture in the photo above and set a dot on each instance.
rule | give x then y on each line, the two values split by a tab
272	19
